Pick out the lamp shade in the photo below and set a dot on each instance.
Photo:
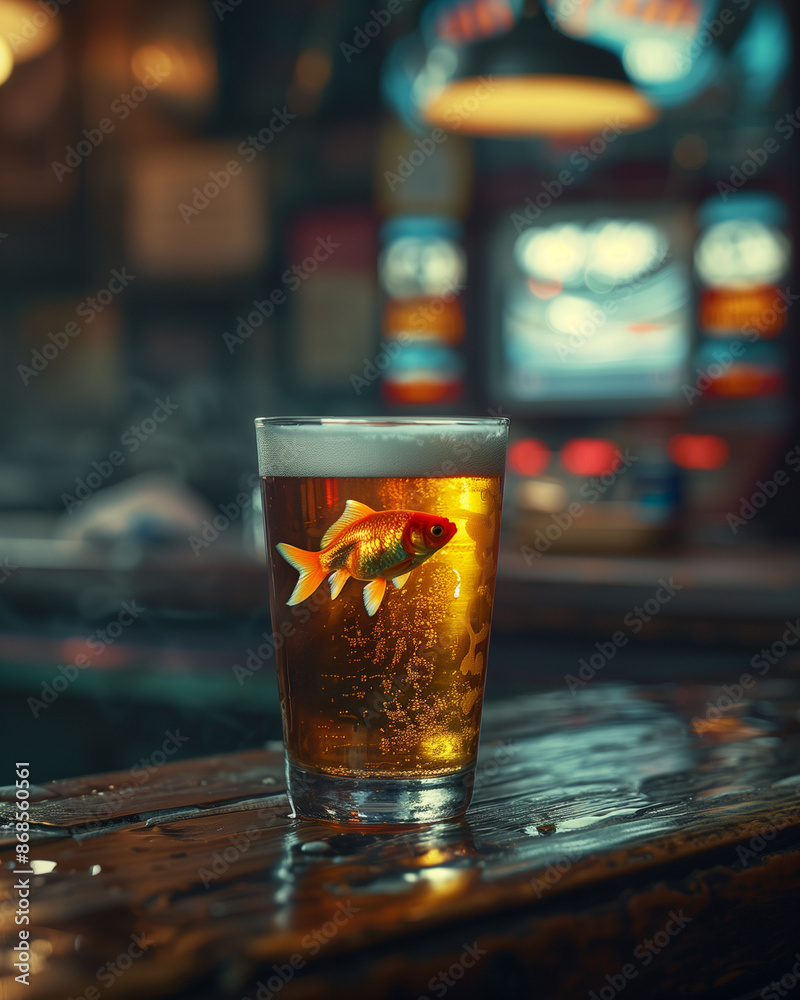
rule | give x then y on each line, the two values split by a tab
534	80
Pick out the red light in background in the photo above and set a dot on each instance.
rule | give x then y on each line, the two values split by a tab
415	392
545	290
747	380
528	457
474	19
589	456
698	451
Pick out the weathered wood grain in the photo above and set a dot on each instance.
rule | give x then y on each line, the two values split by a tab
600	820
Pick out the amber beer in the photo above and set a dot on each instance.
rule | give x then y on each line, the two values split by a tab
381	711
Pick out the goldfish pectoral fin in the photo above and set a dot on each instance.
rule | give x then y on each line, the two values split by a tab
337	580
373	594
398	581
307	564
353	511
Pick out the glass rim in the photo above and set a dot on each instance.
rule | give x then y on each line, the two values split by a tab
383	421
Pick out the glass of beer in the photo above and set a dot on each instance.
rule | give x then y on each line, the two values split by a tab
382	538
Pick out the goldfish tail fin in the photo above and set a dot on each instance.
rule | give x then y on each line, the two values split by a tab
307	564
373	595
337	580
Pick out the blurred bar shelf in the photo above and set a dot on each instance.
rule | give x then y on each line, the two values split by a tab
744	594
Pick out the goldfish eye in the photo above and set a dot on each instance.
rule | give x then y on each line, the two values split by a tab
437	530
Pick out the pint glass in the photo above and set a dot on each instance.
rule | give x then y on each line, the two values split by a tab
382	538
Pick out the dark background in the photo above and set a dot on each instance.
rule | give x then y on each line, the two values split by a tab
71	561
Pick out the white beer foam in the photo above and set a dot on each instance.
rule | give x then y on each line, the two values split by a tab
338	447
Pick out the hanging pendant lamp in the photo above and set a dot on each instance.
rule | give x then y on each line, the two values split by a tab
536	81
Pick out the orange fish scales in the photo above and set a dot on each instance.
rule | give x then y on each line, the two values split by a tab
370	546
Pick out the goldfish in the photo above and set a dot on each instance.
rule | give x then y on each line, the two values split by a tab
368	545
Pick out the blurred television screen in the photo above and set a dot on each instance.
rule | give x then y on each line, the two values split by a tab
593	305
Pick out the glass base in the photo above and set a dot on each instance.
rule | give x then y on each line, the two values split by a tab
378	801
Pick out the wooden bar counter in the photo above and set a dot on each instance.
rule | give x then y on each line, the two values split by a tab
623	840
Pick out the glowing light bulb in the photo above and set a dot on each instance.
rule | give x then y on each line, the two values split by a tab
6	60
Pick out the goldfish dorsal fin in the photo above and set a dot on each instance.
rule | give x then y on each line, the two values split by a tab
353	511
373	594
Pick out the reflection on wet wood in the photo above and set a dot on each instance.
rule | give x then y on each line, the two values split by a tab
619	839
